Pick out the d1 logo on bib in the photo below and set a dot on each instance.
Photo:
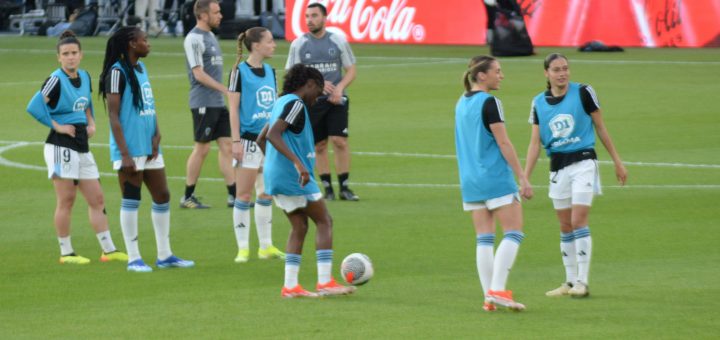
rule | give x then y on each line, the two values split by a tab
562	125
80	104
265	97
147	94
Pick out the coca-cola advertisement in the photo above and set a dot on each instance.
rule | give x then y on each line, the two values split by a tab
395	21
647	23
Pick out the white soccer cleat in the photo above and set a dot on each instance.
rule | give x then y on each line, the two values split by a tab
563	290
579	289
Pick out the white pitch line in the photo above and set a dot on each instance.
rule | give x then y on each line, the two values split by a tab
424	155
15	145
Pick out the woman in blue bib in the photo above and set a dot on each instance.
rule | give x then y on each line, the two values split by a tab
251	95
135	144
488	165
564	121
65	106
289	178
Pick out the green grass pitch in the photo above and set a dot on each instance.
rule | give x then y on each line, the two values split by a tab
655	265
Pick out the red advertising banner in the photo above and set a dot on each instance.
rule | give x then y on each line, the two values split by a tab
648	23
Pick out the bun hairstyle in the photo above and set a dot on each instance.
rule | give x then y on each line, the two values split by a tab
477	64
68	37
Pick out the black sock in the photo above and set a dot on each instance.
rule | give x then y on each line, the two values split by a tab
232	189
189	190
326	182
343	179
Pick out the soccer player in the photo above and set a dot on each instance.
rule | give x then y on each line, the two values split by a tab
211	120
564	119
65	106
289	165
331	54
486	162
135	144
252	94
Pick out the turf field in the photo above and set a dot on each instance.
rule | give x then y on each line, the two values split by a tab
655	265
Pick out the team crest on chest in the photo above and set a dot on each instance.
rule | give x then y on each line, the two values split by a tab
80	104
265	97
562	125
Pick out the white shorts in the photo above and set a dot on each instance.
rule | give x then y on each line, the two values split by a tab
142	163
292	203
66	163
576	183
492	203
252	156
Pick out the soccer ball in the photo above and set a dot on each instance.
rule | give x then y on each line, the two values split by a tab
357	269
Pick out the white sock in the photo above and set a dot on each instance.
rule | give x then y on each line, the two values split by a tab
161	224
263	221
583	244
129	227
484	259
66	247
324	265
292	268
504	258
106	242
569	256
241	223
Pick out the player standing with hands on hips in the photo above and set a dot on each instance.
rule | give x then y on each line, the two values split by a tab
330	54
211	120
65	105
135	144
564	120
486	161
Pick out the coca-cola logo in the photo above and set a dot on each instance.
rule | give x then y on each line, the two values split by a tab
371	20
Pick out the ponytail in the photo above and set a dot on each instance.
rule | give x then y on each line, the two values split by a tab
477	64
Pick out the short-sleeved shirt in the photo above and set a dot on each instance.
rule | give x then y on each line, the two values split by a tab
51	88
587	97
202	49
329	54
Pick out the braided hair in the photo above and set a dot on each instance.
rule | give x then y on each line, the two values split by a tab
118	50
477	64
298	75
247	38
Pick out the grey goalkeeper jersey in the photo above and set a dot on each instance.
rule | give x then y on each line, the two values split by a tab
202	49
328	54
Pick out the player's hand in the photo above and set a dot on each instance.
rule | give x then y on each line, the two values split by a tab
91	130
335	97
66	130
237	151
329	88
526	190
304	174
155	146
128	165
621	173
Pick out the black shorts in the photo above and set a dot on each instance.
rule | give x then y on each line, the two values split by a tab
328	119
210	123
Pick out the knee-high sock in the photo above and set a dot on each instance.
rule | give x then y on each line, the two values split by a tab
129	227
504	258
569	256
583	245
484	258
324	265
241	224
161	224
292	268
263	222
